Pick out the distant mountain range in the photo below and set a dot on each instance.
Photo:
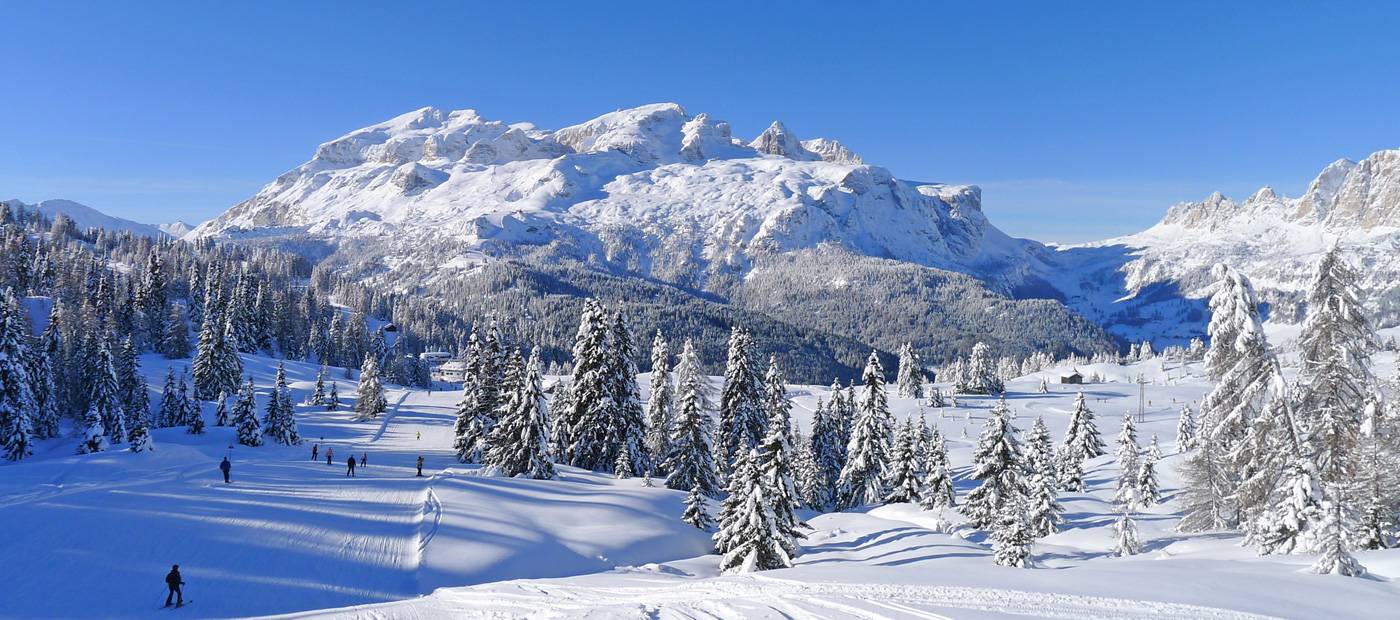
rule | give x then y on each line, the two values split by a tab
802	231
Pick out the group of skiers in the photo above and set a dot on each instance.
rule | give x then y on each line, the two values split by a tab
351	463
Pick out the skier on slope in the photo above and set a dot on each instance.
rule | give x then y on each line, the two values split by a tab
314	448
364	459
350	466
173	582
225	467
329	453
420	466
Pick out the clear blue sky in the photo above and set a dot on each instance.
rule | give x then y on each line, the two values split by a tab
1079	119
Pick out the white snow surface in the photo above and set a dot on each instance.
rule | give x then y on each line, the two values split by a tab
94	534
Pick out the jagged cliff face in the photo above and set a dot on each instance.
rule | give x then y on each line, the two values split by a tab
1145	284
650	190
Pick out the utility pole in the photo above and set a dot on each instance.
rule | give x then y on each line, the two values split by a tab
1142	398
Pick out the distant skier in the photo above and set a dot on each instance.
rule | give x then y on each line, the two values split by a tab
420	467
350	466
225	467
314	448
329	453
173	581
420	435
364	459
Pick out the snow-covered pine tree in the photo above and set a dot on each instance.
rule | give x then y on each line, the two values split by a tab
1377	480
245	417
217	367
1333	545
221	412
45	378
17	402
1011	535
750	536
775	472
1127	455
1044	386
911	373
828	456
997	466
810	490
1291	525
696	513
1125	535
902	477
171	408
369	396
279	422
741	417
583	430
333	401
777	407
195	425
1083	433
868	452
691	462
520	440
659	404
1069	468
106	393
937	492
94	437
175	336
626	419
1148	491
622	465
979	374
141	438
318	396
1186	430
1042	502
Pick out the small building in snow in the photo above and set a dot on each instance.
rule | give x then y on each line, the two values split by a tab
1073	377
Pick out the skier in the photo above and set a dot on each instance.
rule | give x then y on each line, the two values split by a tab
364	459
225	466
314	448
173	581
420	466
420	435
350	466
329	453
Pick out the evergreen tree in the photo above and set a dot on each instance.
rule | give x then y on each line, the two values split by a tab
196	419
49	377
1127	454
333	401
217	367
318	396
520	440
776	474
911	376
1291	525
1186	430
997	466
626	419
105	397
245	417
902	479
691	463
696	514
94	437
1083	433
171	406
979	375
659	404
1011	535
279	422
861	480
141	439
1044	506
17	402
828	454
135	402
175	335
750	536
221	412
938	489
369	396
1125	535
741	418
584	428
1148	492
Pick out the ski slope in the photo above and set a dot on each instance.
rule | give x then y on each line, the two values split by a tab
96	533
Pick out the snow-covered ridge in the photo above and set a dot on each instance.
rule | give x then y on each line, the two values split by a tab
646	186
87	217
1150	283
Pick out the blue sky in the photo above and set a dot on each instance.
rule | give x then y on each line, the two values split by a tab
1080	121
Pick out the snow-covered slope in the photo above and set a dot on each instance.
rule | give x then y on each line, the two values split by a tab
177	228
650	190
1150	283
88	217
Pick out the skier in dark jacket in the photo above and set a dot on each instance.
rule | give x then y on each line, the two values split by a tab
314	448
225	467
420	467
173	581
350	466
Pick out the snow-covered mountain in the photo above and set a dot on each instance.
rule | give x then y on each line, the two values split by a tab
652	190
88	217
653	196
1151	283
177	228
